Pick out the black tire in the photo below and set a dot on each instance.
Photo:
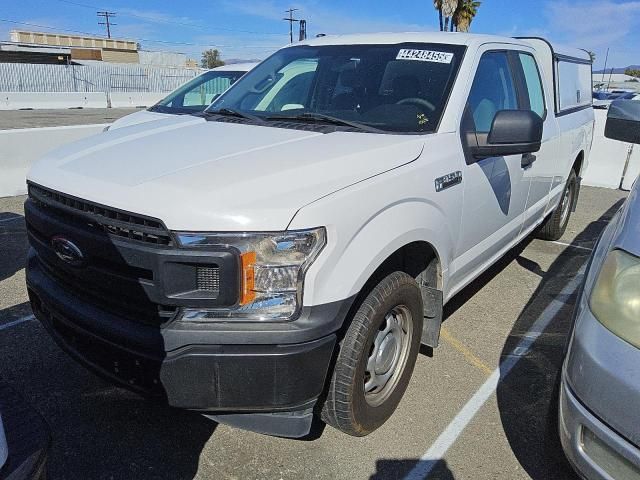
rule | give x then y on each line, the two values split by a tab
346	407
554	226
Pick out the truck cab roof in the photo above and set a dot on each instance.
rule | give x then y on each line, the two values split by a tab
469	39
453	38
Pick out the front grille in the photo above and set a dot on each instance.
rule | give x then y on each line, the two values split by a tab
208	279
100	218
140	309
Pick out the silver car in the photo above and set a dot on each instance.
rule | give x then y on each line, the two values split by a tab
599	414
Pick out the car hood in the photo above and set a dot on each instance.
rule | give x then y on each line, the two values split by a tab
203	175
627	236
136	118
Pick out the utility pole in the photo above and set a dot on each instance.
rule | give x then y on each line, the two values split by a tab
303	30
604	70
106	22
291	20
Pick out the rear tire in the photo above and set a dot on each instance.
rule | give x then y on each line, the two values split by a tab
555	225
376	357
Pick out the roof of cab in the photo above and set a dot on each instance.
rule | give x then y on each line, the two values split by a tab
409	37
455	38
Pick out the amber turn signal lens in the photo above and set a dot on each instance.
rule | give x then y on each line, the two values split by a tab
247	262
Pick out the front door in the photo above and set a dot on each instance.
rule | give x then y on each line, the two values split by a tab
495	189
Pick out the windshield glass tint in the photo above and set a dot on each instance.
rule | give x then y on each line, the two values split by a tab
396	88
197	94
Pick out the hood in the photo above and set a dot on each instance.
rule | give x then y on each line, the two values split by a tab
214	176
136	118
628	234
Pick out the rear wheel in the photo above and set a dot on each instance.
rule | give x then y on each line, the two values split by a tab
555	225
376	357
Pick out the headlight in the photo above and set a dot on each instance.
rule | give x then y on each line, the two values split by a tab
272	269
615	299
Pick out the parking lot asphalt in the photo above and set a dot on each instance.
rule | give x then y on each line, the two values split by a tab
478	406
10	119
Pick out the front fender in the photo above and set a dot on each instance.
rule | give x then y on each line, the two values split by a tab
355	249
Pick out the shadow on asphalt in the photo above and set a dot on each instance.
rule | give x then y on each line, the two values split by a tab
398	469
525	393
13	244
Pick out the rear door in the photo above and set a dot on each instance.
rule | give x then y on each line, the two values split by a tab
548	162
496	188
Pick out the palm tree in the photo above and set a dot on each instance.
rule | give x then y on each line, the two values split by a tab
437	4
448	9
465	13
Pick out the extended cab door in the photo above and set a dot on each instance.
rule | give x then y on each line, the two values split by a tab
496	188
546	163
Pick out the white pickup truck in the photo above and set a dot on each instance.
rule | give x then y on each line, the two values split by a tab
285	253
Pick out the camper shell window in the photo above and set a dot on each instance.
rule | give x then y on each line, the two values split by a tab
573	85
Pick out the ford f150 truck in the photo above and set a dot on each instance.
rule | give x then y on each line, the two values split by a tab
284	253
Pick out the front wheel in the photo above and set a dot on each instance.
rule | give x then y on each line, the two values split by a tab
376	357
554	227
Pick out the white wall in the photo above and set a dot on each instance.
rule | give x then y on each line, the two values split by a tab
21	147
38	100
133	100
607	159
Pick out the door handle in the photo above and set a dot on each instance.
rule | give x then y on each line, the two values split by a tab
527	160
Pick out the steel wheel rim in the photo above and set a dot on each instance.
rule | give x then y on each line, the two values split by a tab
388	355
566	205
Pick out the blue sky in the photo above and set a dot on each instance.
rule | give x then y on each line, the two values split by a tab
253	28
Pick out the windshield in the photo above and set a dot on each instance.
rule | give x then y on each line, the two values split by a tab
393	88
197	94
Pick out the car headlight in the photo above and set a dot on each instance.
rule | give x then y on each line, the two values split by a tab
272	270
615	299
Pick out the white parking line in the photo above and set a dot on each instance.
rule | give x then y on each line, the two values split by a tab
571	245
8	325
449	436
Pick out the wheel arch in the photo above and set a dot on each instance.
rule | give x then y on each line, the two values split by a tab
578	163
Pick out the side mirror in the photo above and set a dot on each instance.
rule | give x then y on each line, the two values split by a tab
623	121
512	132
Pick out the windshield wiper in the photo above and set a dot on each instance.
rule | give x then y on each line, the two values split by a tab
230	112
321	117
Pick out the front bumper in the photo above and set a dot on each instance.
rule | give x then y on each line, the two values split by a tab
193	369
596	451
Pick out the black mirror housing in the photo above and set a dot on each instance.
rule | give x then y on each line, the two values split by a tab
512	132
623	121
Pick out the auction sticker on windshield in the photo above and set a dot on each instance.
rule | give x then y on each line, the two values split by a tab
424	55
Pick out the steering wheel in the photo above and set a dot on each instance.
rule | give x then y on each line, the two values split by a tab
418	102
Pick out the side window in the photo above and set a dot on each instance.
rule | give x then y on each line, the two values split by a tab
534	84
203	94
493	90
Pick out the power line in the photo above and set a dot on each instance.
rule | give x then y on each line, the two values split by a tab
173	22
106	22
291	21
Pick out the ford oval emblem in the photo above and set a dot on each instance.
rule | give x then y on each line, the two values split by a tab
67	251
